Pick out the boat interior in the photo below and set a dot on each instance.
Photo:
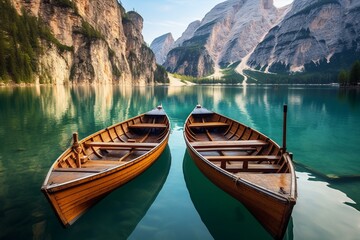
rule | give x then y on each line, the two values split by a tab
232	146
113	146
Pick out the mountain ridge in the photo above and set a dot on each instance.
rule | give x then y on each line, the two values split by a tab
312	32
224	29
76	41
305	36
161	46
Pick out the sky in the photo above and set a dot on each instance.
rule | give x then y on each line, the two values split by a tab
164	16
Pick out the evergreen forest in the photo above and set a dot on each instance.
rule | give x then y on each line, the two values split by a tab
20	38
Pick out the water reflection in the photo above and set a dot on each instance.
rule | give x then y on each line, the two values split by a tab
347	184
224	216
36	124
320	212
318	118
350	96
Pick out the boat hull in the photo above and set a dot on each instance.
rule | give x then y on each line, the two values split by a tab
246	164
104	161
271	211
73	200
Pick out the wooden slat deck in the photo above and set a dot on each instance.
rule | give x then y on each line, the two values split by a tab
125	148
208	124
85	170
265	168
225	148
271	181
232	163
243	158
220	144
148	125
120	145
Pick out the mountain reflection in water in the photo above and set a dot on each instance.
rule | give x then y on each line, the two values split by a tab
36	124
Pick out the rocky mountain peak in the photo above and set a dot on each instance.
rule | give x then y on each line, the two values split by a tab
306	35
161	46
91	41
136	19
312	34
189	33
225	35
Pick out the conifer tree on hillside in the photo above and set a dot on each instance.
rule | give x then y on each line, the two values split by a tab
2	55
351	77
343	78
354	77
20	42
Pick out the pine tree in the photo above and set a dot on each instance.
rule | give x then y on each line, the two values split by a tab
2	55
343	78
354	77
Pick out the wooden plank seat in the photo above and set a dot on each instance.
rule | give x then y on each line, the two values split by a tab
97	164
84	170
124	148
244	158
225	148
233	162
265	168
208	124
148	125
220	144
113	145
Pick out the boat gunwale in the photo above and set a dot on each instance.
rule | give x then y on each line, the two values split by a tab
46	187
290	198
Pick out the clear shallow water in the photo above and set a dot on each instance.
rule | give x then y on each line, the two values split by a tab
173	200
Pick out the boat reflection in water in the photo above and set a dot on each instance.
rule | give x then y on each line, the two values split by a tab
121	211
224	216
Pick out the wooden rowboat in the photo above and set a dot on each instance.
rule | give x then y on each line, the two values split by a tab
246	164
103	161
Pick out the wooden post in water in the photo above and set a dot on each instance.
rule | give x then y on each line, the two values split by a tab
77	149
284	129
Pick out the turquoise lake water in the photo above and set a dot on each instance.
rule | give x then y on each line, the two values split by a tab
172	199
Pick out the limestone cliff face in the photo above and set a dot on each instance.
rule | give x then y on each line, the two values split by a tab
189	33
313	33
141	59
161	46
308	35
190	60
104	48
226	34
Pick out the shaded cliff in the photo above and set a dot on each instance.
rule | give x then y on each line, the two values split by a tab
88	42
224	36
161	46
307	36
141	59
313	36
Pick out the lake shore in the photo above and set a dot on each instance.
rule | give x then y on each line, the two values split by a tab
178	82
173	82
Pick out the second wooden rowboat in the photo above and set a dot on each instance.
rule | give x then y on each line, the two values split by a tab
246	164
103	161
